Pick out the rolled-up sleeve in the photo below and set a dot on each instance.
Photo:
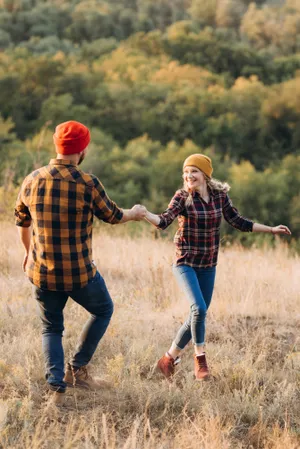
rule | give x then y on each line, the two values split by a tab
234	218
22	213
176	206
103	207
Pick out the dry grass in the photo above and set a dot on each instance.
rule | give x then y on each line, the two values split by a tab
253	348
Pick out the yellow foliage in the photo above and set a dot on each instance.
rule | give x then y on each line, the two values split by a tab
59	56
282	98
204	10
6	126
173	73
259	24
249	87
132	66
179	29
242	83
242	172
92	6
216	89
278	26
127	65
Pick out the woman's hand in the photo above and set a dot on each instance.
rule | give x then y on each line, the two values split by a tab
281	229
138	212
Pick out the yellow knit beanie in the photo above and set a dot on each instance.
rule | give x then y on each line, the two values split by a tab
200	161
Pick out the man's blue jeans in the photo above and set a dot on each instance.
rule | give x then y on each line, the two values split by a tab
198	285
95	298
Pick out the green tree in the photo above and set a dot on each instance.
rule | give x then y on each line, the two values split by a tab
61	108
281	116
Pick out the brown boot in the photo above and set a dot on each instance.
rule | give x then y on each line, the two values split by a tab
167	365
57	399
201	368
80	378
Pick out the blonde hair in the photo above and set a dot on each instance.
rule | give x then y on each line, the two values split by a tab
213	184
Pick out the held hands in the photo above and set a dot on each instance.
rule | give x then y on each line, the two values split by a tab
138	212
281	229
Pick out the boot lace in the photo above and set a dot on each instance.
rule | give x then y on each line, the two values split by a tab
201	360
173	361
82	371
85	372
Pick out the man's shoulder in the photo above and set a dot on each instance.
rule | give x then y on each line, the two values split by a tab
76	175
90	179
35	174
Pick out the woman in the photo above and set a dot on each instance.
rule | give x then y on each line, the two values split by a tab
199	207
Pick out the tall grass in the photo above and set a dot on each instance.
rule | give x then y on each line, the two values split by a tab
252	347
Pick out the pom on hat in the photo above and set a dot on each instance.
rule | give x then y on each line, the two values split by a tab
200	161
71	137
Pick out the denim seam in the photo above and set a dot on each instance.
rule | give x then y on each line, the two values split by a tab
177	347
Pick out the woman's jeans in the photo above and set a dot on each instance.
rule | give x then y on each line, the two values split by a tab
94	297
198	285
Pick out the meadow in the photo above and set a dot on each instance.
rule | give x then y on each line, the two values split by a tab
253	350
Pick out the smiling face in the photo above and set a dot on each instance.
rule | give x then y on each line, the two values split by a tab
193	177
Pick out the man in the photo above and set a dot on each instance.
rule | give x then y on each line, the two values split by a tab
59	202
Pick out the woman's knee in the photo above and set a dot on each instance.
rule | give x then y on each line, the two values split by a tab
198	311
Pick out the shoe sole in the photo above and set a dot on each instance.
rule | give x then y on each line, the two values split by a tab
203	379
88	387
57	399
81	386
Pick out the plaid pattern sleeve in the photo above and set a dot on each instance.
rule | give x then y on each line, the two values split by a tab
233	217
22	214
104	208
175	207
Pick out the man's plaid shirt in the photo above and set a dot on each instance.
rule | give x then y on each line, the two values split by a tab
59	200
198	238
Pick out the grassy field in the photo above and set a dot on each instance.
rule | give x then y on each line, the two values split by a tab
253	351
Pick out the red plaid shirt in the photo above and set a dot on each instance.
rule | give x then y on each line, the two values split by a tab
198	237
60	201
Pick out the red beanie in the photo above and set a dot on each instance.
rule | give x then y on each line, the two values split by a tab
71	137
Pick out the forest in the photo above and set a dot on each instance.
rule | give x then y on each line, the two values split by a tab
157	80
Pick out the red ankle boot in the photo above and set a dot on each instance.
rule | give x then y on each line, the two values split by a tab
167	365
201	368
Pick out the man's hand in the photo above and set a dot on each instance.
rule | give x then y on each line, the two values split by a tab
138	212
25	262
25	237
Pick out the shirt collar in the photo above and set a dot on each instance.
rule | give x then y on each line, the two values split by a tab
61	162
210	191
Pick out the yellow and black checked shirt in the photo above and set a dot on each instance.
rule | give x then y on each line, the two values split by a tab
59	201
